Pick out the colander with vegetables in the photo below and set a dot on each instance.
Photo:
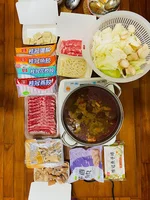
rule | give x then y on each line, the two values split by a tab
118	46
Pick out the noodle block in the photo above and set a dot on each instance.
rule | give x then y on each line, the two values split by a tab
71	67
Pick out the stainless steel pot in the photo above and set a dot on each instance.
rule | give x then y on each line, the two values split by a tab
115	97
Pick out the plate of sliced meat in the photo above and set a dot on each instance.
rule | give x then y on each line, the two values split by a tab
70	47
40	116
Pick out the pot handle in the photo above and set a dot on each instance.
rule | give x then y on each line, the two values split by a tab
66	143
115	85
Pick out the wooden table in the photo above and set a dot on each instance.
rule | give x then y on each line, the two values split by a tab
15	179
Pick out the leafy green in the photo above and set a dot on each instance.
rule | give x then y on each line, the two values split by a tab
137	64
112	73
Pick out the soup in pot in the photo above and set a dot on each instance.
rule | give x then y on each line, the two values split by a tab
91	114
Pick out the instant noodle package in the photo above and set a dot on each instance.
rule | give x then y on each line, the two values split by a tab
36	86
47	50
35	66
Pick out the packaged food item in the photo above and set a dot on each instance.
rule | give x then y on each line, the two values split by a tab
38	61
86	164
39	38
43	153
35	66
36	72
47	50
52	175
114	162
40	116
36	86
71	67
70	47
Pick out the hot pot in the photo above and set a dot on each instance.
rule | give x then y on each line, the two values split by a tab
92	115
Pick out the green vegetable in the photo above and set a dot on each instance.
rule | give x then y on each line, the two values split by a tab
140	71
106	63
113	73
137	64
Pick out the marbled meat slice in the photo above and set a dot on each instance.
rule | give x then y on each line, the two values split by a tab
71	47
42	115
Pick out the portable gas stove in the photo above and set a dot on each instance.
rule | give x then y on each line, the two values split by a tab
65	87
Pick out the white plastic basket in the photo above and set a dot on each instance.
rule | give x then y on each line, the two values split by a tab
110	20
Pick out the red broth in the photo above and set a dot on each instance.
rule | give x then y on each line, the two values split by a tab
91	114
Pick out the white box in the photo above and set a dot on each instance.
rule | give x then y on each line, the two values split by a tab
37	16
41	191
73	26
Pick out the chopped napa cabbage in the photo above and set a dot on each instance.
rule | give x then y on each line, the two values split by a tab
107	37
122	44
113	73
116	39
110	47
107	30
107	61
138	63
118	54
133	41
118	29
128	49
140	71
103	50
107	34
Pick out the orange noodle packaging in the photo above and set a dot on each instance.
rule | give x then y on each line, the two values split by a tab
36	50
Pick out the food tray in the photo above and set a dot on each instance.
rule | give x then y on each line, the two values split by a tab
43	153
37	16
30	30
87	74
45	112
72	46
54	175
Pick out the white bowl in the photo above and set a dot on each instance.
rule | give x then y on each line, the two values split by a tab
110	20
